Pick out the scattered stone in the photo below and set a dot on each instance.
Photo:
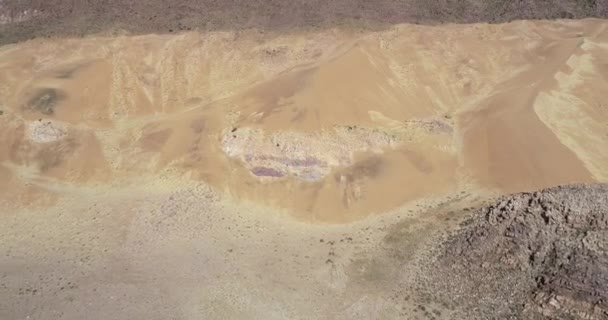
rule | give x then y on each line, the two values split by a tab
540	255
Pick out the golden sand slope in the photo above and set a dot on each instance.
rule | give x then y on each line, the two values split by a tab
331	126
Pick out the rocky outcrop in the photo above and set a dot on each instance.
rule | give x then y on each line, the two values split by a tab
305	156
541	255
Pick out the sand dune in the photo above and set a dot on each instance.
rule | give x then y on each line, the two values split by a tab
296	122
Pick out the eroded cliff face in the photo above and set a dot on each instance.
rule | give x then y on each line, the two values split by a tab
330	125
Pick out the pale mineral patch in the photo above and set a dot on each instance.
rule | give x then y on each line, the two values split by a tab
307	156
44	131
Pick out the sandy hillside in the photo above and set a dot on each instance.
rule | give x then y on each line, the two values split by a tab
242	174
331	126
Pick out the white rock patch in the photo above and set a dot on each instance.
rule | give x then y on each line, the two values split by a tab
46	131
306	156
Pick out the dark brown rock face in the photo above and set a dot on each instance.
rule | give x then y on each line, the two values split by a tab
25	19
541	255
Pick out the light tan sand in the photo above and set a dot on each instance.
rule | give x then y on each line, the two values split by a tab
490	105
159	176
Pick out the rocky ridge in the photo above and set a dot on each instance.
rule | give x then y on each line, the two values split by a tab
539	255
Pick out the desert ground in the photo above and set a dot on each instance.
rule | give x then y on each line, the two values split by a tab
293	173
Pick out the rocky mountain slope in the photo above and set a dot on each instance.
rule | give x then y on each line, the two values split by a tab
540	255
25	19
